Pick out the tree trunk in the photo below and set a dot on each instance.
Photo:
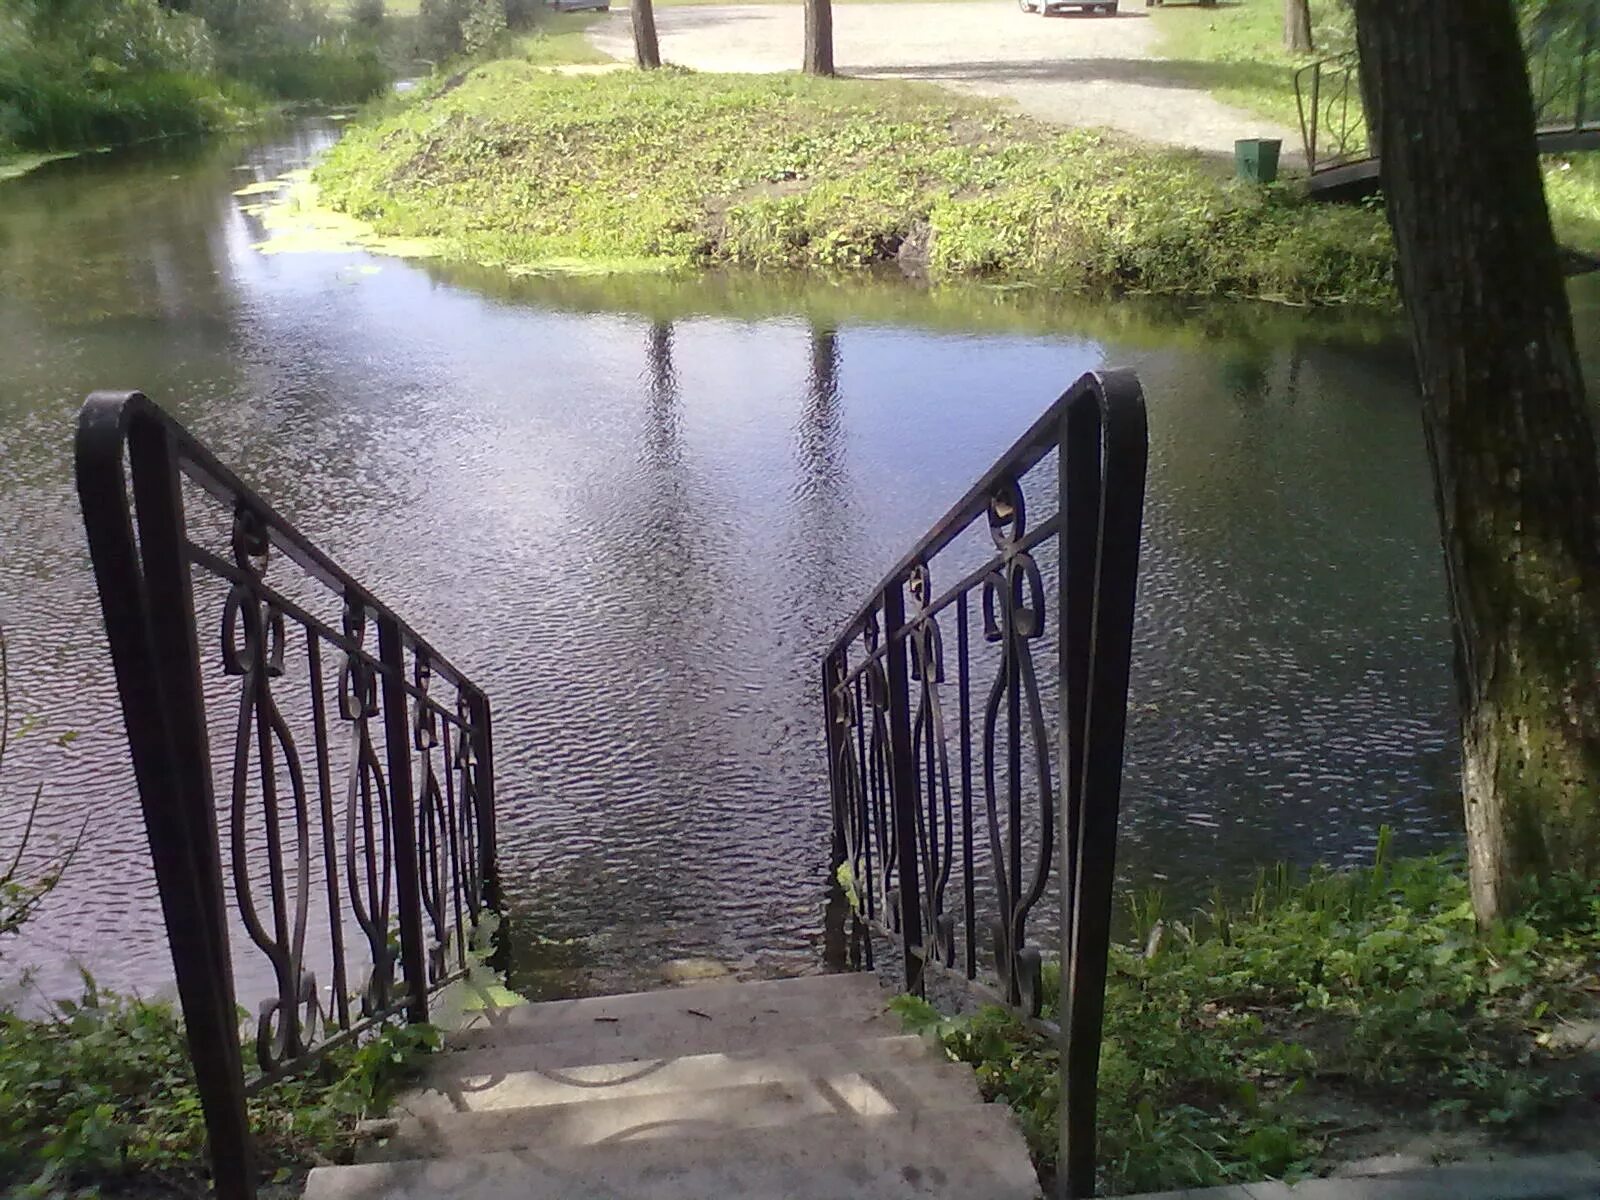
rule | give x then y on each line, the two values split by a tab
819	37
1297	26
646	49
1516	480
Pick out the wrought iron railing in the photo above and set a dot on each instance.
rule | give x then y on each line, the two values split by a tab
1562	47
1333	119
355	831
946	831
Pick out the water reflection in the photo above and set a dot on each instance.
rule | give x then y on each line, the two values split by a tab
636	510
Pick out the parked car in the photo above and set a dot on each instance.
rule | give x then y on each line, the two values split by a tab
579	5
1045	7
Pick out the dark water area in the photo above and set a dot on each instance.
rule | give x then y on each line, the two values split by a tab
636	510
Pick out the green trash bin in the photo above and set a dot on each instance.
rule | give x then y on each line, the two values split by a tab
1256	159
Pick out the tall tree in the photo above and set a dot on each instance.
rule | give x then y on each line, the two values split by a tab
646	49
819	37
1297	26
1509	433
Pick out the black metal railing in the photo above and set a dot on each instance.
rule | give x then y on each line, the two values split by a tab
1333	121
946	831
355	829
1562	47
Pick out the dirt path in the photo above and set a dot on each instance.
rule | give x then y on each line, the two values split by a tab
1090	71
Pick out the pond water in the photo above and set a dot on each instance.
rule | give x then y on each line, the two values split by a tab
635	511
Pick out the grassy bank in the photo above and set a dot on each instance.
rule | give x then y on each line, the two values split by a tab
527	168
98	73
1317	1021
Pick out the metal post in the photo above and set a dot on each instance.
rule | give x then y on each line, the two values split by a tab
1102	514
403	817
830	685
903	782
148	603
488	852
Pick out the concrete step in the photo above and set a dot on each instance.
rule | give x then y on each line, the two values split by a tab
702	1112
482	1081
658	1037
968	1153
803	997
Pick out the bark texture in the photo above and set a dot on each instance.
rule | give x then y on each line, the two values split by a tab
1508	430
819	37
1297	26
646	48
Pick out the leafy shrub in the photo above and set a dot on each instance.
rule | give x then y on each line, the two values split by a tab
334	71
90	72
1221	1034
102	1093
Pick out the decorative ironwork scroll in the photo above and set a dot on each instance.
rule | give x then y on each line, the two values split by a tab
1013	618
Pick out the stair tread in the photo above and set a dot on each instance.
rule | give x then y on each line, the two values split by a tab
700	1111
968	1152
806	995
481	1080
663	1036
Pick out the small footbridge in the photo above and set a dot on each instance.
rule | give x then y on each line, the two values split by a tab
1343	159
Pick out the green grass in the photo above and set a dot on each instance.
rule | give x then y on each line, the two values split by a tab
100	1096
557	40
1236	51
1572	188
521	167
1239	1049
43	110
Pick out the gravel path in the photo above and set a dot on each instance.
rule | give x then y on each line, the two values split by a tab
1091	71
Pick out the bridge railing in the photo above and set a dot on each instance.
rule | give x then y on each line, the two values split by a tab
1333	119
317	782
1562	47
972	778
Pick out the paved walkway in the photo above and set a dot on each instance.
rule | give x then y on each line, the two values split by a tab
1088	71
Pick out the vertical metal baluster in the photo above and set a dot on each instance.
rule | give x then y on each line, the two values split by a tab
1102	513
867	887
1079	496
453	825
330	849
1316	115
288	987
964	684
488	849
1013	775
830	681
903	783
927	808
403	817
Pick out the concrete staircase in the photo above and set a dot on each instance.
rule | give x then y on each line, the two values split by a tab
798	1089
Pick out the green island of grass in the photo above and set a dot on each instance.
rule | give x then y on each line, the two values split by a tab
512	165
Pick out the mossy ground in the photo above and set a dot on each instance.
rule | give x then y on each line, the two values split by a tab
521	167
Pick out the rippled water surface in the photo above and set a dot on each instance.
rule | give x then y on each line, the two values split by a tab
635	511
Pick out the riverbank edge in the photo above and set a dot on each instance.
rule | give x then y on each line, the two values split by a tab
514	165
1317	1023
